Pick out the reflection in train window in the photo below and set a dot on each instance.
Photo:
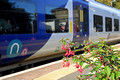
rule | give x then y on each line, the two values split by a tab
17	17
77	19
108	24
85	19
116	25
56	19
98	23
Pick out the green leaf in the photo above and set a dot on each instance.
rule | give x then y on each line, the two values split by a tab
117	74
107	70
106	59
81	63
99	65
112	76
102	72
96	78
103	79
113	57
67	39
98	75
74	47
92	70
114	66
86	66
65	43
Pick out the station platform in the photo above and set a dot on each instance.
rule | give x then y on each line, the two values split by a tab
67	73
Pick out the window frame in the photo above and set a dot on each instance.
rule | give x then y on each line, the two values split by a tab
85	19
31	24
66	30
118	25
101	21
107	25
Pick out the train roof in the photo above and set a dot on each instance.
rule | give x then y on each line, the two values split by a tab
99	5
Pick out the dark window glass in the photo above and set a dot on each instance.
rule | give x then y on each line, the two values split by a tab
98	23
17	17
85	19
77	19
56	19
116	25
108	24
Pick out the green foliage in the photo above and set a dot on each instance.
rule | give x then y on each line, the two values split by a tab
116	4
104	60
107	70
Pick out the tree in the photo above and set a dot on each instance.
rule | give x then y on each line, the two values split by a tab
116	4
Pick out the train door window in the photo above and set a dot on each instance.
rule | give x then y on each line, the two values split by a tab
17	17
56	19
77	18
108	24
116	25
98	23
85	19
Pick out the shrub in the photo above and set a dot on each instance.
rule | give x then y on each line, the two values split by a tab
104	59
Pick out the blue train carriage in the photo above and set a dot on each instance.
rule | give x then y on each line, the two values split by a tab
32	28
104	22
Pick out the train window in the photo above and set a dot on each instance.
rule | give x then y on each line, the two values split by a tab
56	19
108	24
77	19
116	25
17	17
98	23
85	19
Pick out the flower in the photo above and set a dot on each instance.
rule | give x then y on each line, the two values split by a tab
63	63
101	58
77	65
80	70
88	44
104	64
71	53
66	47
67	64
67	53
95	75
88	49
63	47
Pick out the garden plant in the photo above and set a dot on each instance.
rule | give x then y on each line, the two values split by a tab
103	59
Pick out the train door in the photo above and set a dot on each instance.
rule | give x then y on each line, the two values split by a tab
81	29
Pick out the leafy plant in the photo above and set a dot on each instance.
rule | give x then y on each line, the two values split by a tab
104	59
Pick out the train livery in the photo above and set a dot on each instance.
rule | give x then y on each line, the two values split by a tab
31	29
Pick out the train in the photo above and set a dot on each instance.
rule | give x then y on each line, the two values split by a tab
32	29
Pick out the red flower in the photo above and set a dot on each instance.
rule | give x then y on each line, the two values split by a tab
87	44
71	53
98	71
88	49
67	53
80	69
67	64
77	65
63	47
66	47
104	64
101	58
63	63
95	75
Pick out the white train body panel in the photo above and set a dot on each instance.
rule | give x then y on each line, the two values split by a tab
96	8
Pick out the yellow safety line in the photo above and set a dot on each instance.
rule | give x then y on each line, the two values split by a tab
56	75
